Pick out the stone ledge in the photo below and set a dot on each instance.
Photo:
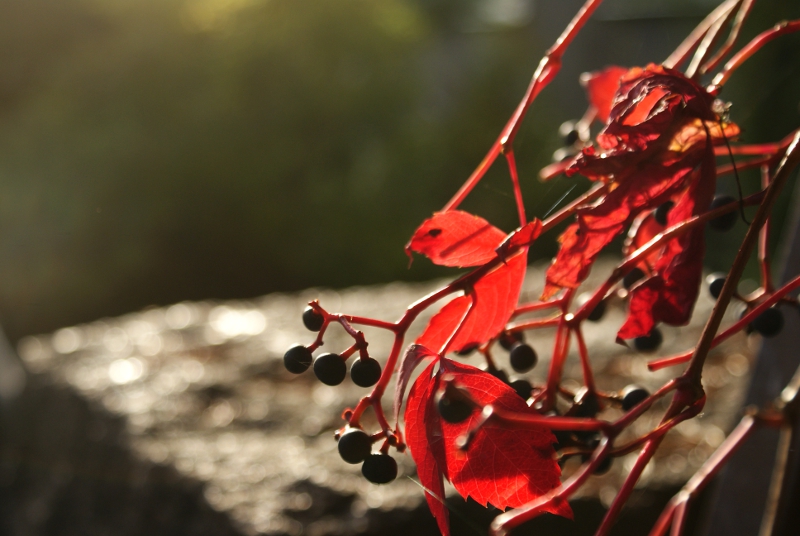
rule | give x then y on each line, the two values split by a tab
194	402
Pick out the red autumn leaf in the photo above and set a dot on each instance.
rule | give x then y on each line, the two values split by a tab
411	358
655	137
651	107
495	295
601	86
670	294
524	236
422	422
456	238
505	466
643	229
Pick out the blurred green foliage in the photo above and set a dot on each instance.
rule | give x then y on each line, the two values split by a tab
159	150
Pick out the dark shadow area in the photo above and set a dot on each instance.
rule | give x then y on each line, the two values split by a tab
65	469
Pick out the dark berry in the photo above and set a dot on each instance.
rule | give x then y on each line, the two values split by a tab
523	357
662	212
599	310
379	468
632	277
454	409
726	221
569	134
597	313
354	445
632	395
523	388
330	369
586	404
297	359
769	323
650	342
500	374
365	372
571	137
715	284
312	320
508	339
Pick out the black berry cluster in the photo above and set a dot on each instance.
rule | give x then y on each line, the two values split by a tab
355	446
329	368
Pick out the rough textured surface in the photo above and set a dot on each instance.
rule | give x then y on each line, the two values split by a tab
130	425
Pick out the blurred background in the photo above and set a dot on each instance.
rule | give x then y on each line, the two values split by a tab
153	151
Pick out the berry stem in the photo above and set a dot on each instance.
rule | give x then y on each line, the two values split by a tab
763	241
545	72
703	475
642	460
536	306
748	50
586	367
790	159
538	323
741	16
775	297
706	44
684	50
512	170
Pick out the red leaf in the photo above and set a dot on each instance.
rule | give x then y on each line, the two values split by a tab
524	236
505	466
655	137
643	229
669	295
414	354
423	422
456	238
496	294
601	86
598	225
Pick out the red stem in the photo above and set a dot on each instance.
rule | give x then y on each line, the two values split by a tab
741	16
751	48
658	364
763	241
512	170
708	41
703	475
545	72
684	50
586	367
642	460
